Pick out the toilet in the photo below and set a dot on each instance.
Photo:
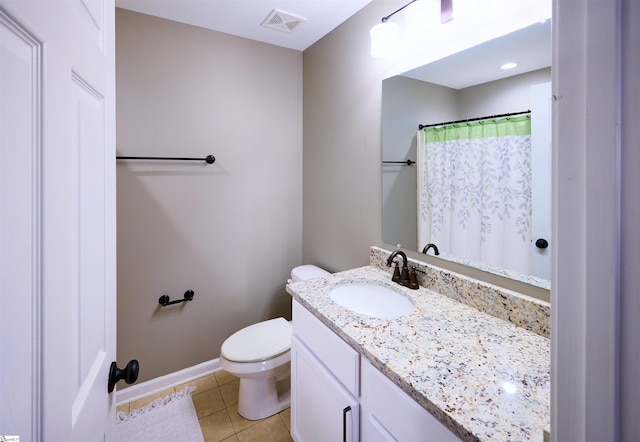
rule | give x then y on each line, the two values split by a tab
260	355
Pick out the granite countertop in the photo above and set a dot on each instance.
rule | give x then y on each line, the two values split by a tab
484	378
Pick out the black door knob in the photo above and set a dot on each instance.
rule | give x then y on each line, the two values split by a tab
542	243
129	374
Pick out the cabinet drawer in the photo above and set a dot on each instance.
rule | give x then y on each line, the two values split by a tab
342	360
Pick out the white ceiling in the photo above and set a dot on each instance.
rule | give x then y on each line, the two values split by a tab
243	18
531	47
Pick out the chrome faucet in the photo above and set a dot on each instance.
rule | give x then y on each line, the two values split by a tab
406	278
431	246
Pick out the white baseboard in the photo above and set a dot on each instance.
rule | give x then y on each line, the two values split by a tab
152	386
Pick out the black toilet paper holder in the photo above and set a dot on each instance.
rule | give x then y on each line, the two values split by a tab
164	300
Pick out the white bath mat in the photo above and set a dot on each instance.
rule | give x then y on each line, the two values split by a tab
172	418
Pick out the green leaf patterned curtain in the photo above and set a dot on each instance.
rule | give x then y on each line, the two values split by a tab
474	191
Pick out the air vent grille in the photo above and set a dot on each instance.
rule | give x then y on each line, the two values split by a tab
282	21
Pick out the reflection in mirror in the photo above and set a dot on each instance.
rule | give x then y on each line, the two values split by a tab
464	86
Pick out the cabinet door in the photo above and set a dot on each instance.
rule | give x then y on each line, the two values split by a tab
389	414
321	408
334	353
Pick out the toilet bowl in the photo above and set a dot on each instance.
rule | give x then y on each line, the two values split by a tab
260	355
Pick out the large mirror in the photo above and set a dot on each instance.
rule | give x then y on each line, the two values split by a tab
470	85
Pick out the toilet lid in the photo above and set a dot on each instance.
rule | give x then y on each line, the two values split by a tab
304	272
258	342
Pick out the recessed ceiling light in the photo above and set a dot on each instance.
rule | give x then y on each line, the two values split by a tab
510	65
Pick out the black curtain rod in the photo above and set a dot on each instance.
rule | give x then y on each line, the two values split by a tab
422	126
210	159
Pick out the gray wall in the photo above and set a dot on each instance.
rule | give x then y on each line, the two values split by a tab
511	94
405	104
342	156
233	230
342	148
230	231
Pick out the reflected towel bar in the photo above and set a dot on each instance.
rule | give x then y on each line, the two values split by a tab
408	162
165	301
209	159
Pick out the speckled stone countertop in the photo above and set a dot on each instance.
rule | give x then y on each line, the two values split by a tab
484	378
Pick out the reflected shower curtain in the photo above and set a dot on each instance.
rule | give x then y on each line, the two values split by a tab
474	191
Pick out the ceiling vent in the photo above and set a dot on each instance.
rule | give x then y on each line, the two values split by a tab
282	21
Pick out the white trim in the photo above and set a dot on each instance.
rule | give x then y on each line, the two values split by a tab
585	290
167	381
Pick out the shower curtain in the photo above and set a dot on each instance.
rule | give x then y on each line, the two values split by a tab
474	191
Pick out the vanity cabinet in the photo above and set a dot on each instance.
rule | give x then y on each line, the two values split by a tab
339	396
324	383
390	414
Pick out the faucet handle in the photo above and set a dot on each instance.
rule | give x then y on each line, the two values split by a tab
413	281
404	278
396	274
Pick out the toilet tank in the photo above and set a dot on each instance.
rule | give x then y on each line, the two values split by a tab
304	272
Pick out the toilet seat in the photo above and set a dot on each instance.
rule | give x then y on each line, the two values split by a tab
258	342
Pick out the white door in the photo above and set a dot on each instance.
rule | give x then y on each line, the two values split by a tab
541	180
57	219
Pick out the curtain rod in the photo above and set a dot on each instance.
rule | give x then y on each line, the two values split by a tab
422	126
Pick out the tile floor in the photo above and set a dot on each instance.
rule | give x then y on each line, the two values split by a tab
216	402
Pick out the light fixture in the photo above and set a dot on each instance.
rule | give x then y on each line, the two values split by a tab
509	65
385	36
420	17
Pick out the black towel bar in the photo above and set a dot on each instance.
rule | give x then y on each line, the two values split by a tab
165	301
408	162
209	159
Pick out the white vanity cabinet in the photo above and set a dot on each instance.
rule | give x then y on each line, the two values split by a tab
324	383
390	414
339	396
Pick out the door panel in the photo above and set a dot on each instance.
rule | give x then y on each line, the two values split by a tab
92	16
90	216
89	297
20	292
541	179
71	223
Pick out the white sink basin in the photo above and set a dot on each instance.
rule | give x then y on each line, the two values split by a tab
371	300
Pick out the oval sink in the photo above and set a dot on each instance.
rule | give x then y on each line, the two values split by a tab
371	300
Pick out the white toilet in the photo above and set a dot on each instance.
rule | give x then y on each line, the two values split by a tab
260	355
